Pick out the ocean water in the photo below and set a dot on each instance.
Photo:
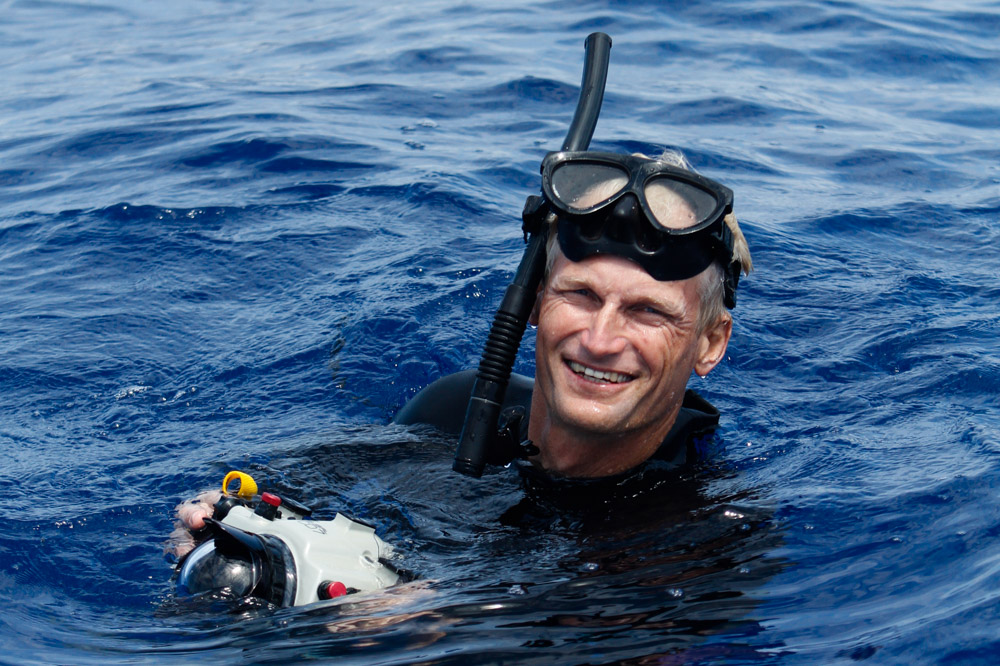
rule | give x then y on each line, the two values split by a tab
239	235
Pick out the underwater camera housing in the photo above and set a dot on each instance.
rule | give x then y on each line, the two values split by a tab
274	552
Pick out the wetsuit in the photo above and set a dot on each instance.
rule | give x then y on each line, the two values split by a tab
442	405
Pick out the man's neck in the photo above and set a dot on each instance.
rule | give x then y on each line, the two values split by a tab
566	451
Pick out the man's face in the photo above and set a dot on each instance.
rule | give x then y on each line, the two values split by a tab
616	347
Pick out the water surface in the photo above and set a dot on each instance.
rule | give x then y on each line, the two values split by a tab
242	235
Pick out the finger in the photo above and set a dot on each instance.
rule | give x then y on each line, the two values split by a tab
192	514
209	497
180	542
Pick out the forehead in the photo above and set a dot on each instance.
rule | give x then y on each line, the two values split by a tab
610	275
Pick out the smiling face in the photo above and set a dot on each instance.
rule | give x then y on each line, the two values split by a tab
614	351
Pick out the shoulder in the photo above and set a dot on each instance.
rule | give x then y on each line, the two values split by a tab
442	403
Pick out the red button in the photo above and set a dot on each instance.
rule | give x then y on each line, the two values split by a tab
268	498
332	590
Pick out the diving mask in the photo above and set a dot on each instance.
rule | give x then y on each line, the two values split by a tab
669	220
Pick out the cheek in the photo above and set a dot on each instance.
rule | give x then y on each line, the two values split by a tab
546	335
556	321
666	354
651	350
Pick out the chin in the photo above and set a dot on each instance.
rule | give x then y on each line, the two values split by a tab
589	420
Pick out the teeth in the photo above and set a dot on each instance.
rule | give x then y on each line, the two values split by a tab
599	375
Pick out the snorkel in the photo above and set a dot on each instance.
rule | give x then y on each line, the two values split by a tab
480	441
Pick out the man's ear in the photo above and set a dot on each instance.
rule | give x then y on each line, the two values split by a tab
712	344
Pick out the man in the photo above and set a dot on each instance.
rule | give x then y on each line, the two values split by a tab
643	258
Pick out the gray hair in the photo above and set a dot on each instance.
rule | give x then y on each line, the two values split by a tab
711	290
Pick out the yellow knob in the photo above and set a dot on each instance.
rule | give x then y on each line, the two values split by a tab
247	489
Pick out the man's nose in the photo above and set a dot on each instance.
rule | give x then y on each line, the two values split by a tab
603	335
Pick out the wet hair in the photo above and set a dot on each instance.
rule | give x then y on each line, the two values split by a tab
711	290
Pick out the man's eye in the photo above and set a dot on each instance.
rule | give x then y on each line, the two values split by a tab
652	313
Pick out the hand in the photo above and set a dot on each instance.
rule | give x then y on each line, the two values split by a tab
190	518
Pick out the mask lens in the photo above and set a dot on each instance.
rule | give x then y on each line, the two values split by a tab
678	205
582	185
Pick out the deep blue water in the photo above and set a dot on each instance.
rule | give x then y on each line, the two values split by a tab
242	235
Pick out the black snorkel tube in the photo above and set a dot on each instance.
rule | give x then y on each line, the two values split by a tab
480	441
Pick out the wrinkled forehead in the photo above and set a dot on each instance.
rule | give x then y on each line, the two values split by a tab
670	209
